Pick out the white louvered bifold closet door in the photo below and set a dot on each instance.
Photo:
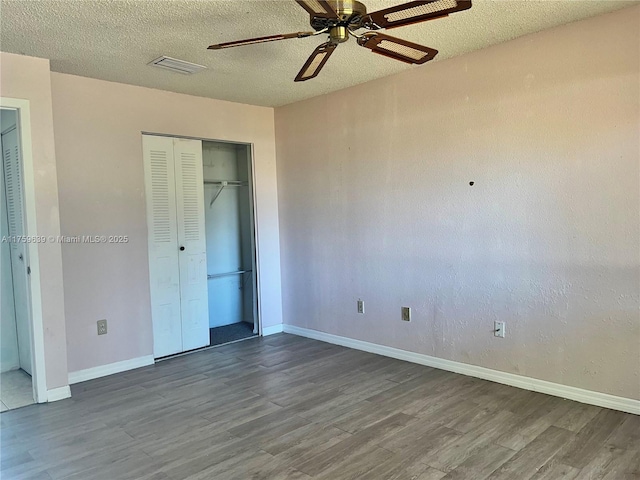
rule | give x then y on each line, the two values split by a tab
15	209
193	245
164	269
177	256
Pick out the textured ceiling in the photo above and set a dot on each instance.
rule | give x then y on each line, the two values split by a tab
115	39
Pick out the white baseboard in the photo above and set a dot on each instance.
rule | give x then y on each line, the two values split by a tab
59	393
272	330
11	367
109	369
572	393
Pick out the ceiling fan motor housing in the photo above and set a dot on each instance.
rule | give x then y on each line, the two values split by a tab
349	12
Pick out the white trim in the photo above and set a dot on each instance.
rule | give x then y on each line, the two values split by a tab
109	369
255	259
564	391
204	139
59	393
38	366
272	330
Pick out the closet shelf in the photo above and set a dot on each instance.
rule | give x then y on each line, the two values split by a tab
227	274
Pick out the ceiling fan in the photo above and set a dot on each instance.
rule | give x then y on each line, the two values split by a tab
341	18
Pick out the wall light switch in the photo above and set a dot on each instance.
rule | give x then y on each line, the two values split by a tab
360	306
499	329
406	314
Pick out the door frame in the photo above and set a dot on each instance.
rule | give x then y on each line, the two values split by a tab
254	241
34	306
254	214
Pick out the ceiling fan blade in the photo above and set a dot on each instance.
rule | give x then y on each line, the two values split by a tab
315	62
413	12
318	8
251	41
397	48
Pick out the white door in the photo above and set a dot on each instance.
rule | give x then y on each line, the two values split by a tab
177	255
192	243
164	271
19	261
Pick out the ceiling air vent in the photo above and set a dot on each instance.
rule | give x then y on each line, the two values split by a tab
175	65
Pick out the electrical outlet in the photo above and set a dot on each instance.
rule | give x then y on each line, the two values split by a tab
102	327
406	314
360	306
498	329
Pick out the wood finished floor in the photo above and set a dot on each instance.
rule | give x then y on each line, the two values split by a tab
285	407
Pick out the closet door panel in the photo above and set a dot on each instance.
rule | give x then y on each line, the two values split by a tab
192	242
164	269
15	209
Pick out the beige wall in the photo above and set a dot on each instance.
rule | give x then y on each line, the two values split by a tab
375	203
98	129
28	78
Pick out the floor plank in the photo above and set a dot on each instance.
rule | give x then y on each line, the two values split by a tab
528	461
291	408
591	437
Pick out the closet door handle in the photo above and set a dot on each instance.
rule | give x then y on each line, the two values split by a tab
182	249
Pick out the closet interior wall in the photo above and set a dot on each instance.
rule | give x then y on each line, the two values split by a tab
229	233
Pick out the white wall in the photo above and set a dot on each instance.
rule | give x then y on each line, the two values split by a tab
9	359
98	129
375	203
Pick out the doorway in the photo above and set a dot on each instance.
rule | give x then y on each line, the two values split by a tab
16	365
202	248
230	237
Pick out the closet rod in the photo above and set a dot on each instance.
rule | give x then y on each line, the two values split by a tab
222	184
218	275
217	194
227	183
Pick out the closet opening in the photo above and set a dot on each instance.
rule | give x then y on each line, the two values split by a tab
230	242
16	386
202	248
